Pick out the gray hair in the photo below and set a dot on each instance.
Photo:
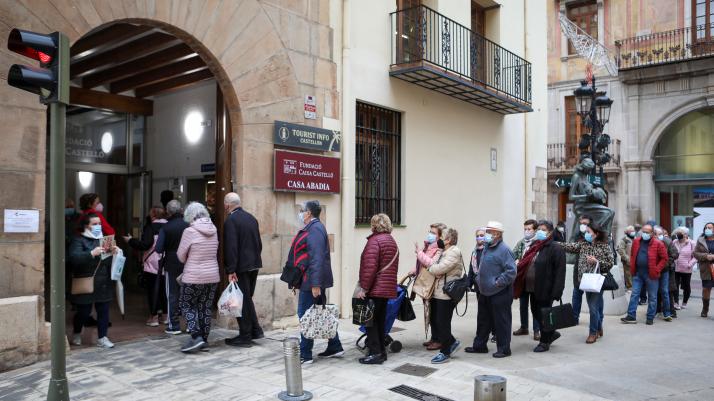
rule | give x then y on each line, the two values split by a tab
658	230
232	199
629	228
452	235
173	207
683	230
312	206
195	211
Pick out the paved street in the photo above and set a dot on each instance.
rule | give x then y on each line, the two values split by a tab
667	361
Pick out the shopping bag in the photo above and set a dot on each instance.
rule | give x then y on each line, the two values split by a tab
424	284
320	322
593	281
558	317
363	312
118	265
231	301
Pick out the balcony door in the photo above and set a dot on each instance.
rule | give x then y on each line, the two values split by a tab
573	132
478	27
410	47
703	27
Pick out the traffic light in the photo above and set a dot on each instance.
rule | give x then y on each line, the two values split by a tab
51	79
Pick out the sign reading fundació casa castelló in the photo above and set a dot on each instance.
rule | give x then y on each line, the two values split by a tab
302	172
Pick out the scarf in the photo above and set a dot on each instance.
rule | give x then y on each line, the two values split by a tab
525	263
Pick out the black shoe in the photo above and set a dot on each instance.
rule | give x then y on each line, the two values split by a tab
376	359
193	345
238	342
258	336
474	350
500	354
384	355
642	302
556	335
542	347
650	322
628	319
332	354
493	339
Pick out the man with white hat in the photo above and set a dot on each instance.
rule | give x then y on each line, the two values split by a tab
497	271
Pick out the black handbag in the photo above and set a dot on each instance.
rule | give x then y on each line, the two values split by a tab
558	317
610	284
457	288
363	312
292	275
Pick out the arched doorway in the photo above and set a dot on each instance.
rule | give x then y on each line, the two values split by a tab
684	171
149	113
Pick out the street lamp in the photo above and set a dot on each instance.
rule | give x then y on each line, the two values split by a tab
594	110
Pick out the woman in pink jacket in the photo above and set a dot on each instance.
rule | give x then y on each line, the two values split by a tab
432	248
684	265
198	252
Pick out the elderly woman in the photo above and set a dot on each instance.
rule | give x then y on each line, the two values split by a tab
447	268
594	251
378	282
683	266
432	251
198	252
86	261
704	253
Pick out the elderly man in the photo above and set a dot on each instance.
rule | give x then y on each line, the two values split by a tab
624	247
495	277
167	244
241	255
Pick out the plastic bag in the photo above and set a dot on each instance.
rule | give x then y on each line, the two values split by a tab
231	301
118	265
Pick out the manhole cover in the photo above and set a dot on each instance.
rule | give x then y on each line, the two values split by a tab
414	370
417	394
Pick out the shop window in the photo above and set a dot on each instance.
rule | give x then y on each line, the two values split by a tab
703	21
378	163
584	15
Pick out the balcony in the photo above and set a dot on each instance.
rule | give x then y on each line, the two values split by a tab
666	47
563	157
437	53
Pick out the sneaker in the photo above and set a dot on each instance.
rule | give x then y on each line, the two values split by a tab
192	345
173	332
205	347
332	354
304	361
440	358
104	343
77	339
493	338
684	306
668	318
454	347
629	320
650	322
677	307
153	321
659	315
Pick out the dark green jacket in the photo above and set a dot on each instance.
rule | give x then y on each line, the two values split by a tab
83	264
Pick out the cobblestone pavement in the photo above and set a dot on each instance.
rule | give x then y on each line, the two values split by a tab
667	361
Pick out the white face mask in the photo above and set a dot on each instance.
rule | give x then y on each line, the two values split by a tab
301	218
583	228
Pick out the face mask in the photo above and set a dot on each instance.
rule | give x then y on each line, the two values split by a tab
68	211
431	238
583	228
540	235
679	236
561	229
588	237
99	208
96	230
528	234
646	237
480	239
488	238
301	218
631	235
660	237
708	232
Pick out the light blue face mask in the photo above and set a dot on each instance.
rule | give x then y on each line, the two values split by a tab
708	232
646	237
96	230
588	237
541	235
488	238
660	237
430	238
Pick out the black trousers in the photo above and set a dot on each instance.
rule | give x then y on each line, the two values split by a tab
375	333
536	309
160	298
83	312
442	311
494	314
248	323
684	281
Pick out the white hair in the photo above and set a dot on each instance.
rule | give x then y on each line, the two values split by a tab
658	229
683	229
173	207
630	228
195	211
232	199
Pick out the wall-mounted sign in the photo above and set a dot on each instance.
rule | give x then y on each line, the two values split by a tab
306	137
564	182
22	221
310	107
494	159
302	172
208	167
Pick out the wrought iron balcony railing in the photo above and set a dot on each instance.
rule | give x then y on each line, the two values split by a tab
438	53
562	157
666	47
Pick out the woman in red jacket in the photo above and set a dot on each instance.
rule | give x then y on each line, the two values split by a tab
378	281
91	204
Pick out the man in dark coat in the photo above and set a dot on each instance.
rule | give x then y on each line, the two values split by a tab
167	244
241	254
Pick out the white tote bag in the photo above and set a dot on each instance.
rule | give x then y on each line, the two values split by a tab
592	282
118	265
320	322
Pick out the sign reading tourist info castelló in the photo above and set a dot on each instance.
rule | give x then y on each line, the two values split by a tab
301	172
306	137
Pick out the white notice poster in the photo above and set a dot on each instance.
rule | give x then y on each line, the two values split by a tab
22	221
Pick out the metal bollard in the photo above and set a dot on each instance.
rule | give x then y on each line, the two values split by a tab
293	372
489	388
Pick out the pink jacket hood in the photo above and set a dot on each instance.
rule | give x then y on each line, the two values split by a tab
204	226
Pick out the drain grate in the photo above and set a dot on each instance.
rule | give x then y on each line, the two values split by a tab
417	394
414	370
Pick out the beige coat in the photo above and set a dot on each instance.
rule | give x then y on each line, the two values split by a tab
701	252
449	267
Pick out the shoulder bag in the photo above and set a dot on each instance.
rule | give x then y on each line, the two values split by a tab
84	285
363	309
456	289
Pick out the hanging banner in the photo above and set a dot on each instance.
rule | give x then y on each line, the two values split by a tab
306	137
301	172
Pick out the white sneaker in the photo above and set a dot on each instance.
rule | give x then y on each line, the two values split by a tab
104	343
684	306
77	339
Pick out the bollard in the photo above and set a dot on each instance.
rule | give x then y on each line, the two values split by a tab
293	372
489	388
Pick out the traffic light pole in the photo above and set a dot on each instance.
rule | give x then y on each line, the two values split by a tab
59	389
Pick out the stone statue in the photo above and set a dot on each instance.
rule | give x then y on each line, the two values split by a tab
588	199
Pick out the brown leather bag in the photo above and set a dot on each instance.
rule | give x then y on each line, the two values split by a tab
84	285
424	284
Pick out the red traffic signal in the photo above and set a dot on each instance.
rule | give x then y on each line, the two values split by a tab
33	45
51	80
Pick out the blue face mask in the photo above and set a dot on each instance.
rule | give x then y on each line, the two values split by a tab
96	230
488	238
708	232
541	235
646	237
588	237
431	238
660	237
68	211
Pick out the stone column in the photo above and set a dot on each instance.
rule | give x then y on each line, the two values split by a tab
640	190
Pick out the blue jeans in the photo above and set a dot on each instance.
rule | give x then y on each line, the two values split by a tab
664	290
305	301
525	296
639	283
596	306
577	302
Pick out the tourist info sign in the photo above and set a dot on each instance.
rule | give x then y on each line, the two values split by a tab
302	172
306	137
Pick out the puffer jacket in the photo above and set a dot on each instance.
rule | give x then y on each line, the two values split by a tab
701	251
198	251
657	257
449	267
147	243
375	278
83	264
686	260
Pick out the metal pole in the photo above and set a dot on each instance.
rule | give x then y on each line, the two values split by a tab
293	372
59	390
490	388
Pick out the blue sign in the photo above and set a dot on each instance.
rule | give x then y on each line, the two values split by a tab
208	167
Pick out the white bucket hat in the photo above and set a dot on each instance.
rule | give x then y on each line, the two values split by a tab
494	225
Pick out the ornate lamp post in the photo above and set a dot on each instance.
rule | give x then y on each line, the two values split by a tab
594	111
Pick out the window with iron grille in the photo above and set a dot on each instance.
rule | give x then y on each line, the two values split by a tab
584	15
378	163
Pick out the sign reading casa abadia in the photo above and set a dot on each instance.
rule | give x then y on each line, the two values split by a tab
302	172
